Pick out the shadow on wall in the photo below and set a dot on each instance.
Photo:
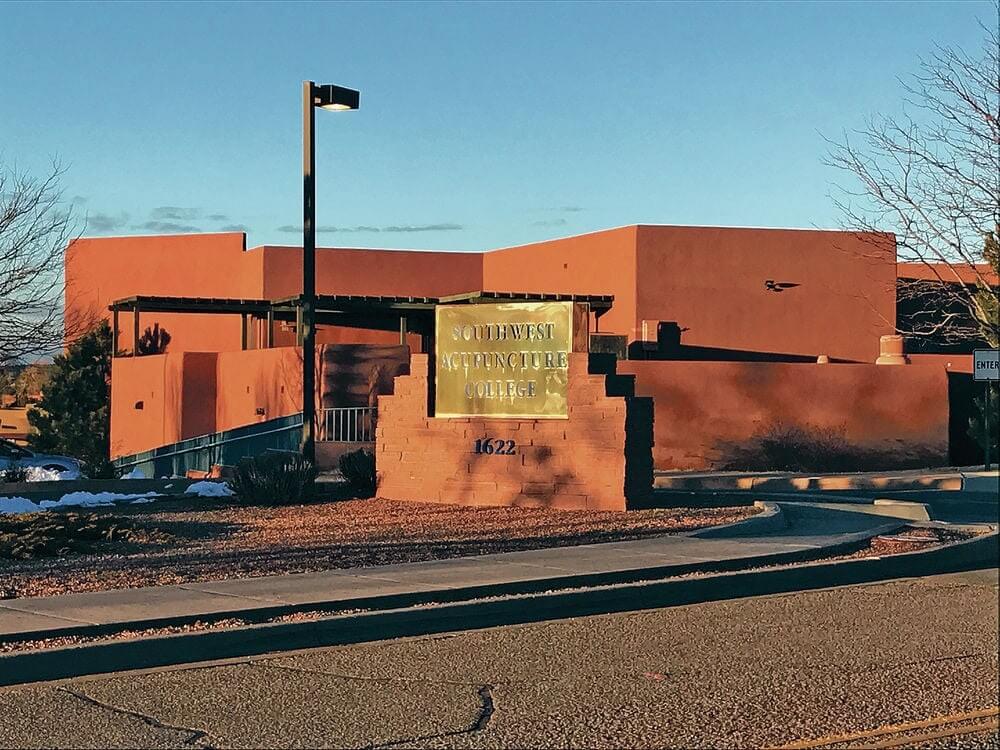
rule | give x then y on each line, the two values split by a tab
356	374
668	346
782	447
962	392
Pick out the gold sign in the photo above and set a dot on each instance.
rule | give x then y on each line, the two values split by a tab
503	360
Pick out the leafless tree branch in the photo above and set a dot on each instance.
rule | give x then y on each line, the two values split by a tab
35	229
932	176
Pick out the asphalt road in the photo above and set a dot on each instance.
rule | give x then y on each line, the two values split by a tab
742	673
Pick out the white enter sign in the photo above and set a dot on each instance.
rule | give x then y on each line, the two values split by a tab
986	364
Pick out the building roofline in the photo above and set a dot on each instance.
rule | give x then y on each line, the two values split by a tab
481	252
156	236
685	226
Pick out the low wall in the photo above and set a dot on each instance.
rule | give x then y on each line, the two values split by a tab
711	414
160	399
598	458
165	398
952	362
257	385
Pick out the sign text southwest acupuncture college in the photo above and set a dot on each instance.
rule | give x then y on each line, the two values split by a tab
503	360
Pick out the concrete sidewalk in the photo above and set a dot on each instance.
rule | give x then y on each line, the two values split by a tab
969	479
779	534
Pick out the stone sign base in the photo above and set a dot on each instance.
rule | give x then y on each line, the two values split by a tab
600	458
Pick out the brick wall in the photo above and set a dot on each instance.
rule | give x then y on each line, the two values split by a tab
600	458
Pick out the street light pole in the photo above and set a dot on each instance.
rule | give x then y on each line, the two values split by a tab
333	98
307	331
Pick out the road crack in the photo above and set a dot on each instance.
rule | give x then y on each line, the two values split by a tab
487	707
484	691
195	734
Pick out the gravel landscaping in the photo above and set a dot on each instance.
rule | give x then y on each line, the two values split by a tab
211	539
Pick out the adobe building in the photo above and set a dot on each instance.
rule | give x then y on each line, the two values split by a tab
724	335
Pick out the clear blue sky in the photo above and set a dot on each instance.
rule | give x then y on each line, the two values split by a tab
481	125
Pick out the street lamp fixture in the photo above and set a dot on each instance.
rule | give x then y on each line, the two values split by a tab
335	98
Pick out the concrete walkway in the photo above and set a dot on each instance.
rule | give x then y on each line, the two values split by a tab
783	533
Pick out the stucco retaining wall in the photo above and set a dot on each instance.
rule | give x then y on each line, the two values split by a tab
706	412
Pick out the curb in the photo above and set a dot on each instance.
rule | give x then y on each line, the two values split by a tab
980	483
256	640
971	507
944	481
770	519
899	509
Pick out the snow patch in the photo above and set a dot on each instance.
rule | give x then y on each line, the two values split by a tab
210	489
17	505
38	474
136	473
74	500
91	499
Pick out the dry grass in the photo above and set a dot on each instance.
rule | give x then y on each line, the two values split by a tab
214	539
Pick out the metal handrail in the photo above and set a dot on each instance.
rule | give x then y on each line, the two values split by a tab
347	424
150	455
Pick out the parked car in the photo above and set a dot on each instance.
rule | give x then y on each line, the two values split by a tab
14	456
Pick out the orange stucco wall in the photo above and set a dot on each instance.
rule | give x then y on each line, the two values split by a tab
101	270
703	408
268	379
187	394
711	281
950	362
597	263
177	395
360	271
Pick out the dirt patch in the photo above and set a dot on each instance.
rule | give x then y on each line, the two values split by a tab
36	535
908	539
215	539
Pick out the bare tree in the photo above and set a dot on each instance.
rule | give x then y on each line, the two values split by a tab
35	229
932	176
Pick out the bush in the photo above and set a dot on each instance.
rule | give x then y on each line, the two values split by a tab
781	447
274	477
101	469
358	468
977	426
13	474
